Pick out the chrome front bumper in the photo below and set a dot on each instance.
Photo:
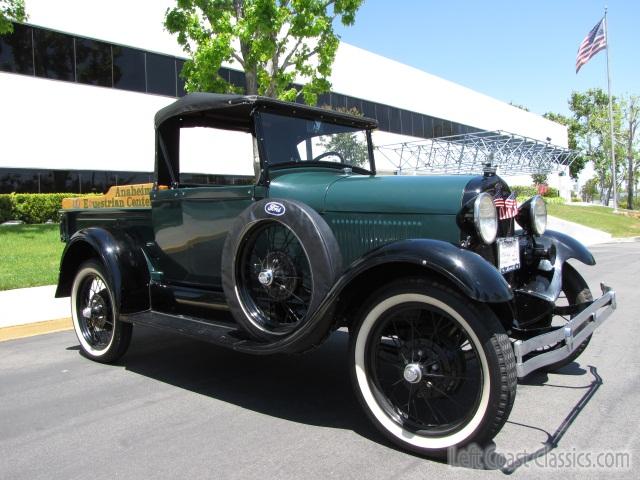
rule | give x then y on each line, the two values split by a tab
584	323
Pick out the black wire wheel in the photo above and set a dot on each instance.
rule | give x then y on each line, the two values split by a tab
275	282
575	291
101	335
431	369
279	262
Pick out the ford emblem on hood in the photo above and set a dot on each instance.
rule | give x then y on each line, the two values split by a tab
274	208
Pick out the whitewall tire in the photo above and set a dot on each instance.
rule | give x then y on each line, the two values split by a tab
432	370
102	336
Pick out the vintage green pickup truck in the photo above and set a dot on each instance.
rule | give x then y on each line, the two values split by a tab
449	290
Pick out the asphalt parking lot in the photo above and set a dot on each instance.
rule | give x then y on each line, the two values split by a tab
179	408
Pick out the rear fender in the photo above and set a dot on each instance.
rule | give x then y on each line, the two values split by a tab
122	258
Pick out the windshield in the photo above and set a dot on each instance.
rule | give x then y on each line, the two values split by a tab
291	140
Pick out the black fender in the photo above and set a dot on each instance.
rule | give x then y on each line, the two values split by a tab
568	247
565	248
123	259
472	274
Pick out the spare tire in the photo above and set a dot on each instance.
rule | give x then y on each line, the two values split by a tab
279	261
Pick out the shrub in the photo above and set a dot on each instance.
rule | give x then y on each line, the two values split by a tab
5	208
554	200
523	191
32	207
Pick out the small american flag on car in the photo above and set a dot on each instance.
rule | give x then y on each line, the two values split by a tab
507	206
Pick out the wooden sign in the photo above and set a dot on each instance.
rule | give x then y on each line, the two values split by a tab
121	196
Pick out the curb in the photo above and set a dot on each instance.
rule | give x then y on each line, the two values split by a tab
33	329
624	240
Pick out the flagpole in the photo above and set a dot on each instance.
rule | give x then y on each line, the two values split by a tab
613	141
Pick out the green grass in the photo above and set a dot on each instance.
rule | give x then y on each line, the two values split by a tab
29	255
601	218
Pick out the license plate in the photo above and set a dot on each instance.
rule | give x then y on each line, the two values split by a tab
508	254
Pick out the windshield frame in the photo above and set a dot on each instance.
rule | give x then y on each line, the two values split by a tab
329	119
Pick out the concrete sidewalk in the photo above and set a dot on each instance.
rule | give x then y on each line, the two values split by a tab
585	235
29	305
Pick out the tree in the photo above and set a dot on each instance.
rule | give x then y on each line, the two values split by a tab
589	189
539	178
275	42
11	11
590	111
574	131
632	121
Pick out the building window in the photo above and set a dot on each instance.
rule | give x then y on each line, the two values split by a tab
406	123
161	74
354	104
338	102
395	125
369	109
93	63
382	115
16	51
53	53
128	69
416	125
324	100
236	79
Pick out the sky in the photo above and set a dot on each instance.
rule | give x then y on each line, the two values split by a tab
515	51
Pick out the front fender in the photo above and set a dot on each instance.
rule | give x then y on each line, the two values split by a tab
568	247
123	261
471	273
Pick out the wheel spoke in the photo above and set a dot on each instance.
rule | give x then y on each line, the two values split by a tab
449	382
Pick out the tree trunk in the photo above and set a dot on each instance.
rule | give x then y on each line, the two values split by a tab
251	81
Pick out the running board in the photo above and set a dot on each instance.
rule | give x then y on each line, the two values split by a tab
225	334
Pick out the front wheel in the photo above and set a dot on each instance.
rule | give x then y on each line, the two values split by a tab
102	336
575	291
432	370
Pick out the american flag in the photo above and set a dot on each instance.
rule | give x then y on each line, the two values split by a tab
594	42
507	207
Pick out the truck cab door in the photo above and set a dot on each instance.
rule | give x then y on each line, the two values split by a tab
191	220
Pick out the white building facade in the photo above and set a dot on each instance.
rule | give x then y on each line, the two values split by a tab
81	82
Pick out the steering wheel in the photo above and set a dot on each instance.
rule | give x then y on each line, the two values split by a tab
329	153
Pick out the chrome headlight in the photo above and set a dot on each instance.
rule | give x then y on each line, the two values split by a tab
485	218
532	215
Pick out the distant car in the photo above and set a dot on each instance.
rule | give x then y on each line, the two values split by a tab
446	303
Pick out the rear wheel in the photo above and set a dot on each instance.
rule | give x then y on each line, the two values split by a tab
102	336
432	370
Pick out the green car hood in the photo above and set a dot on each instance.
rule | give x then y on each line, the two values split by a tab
329	191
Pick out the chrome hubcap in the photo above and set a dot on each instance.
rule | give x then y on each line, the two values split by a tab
265	277
412	373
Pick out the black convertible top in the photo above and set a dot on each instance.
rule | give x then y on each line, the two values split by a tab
234	111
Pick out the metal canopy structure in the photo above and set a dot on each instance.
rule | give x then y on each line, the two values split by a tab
468	153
